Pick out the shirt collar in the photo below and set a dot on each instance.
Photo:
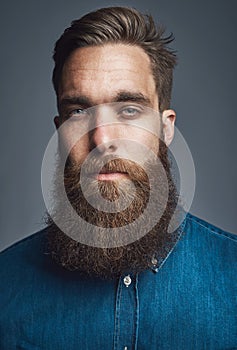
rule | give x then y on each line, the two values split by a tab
156	261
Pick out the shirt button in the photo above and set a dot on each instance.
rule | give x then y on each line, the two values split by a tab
127	280
154	261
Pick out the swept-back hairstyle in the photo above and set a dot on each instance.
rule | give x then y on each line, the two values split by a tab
120	25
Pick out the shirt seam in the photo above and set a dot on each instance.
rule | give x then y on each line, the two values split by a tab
212	230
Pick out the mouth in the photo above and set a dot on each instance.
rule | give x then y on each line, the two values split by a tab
109	175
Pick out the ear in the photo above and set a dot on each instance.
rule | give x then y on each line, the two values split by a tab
56	122
168	120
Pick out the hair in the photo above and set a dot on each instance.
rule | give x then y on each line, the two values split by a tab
120	25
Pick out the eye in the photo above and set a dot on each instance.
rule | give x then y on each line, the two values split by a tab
130	112
75	113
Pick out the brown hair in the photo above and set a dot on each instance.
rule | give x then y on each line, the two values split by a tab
120	25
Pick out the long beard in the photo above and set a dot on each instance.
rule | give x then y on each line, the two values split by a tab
100	259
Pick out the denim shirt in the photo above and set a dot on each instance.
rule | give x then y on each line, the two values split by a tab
187	302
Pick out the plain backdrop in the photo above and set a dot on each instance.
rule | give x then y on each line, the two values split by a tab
204	97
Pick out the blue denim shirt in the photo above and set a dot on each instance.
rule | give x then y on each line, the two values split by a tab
189	302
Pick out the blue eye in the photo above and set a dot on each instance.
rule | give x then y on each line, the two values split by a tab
77	112
130	112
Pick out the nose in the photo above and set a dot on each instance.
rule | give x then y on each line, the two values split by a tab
103	139
104	134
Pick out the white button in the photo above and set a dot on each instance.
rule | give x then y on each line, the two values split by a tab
125	348
127	280
154	261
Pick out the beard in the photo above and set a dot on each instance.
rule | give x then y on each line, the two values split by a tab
105	256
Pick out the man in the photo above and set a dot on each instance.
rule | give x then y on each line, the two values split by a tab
118	266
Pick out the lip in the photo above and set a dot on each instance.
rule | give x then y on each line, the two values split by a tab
109	176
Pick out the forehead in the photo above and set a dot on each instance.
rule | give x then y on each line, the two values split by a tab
100	71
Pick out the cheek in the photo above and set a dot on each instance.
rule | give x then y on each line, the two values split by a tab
80	150
145	138
151	142
76	149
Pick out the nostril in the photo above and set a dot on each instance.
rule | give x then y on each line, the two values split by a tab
104	148
112	148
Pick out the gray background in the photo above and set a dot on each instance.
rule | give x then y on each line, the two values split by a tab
204	97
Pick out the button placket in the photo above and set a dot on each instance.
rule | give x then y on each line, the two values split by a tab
126	315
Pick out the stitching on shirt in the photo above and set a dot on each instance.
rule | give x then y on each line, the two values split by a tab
214	230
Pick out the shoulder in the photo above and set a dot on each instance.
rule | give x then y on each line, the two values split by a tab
202	227
23	268
209	243
22	256
24	245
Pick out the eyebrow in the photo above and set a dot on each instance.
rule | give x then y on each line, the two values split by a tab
121	96
126	96
75	100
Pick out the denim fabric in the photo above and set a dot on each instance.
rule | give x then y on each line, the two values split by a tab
188	302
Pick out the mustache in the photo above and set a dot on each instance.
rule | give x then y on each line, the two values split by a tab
108	164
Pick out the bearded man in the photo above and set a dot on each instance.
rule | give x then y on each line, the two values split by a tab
119	265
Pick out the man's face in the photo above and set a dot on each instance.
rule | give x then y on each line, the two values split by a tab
115	83
106	74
